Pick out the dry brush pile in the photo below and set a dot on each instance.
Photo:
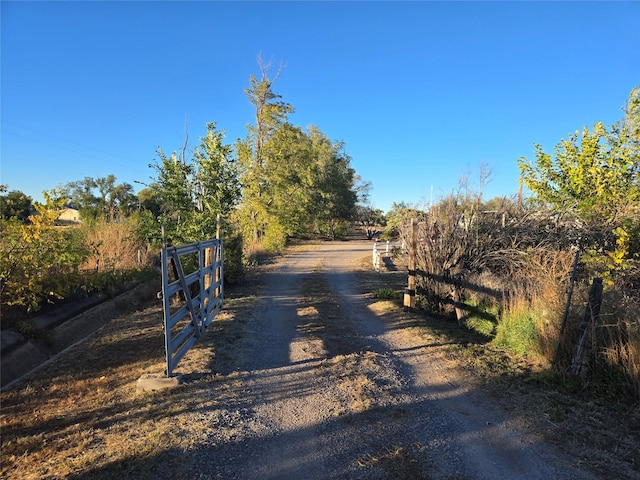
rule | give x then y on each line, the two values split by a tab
507	274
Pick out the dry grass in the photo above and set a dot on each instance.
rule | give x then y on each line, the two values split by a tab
84	419
618	336
82	416
355	374
114	246
596	426
539	291
399	462
628	353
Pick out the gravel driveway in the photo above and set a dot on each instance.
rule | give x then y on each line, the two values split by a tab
329	389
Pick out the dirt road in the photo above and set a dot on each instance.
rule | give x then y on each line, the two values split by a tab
327	387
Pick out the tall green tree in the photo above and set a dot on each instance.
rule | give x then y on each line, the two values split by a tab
217	174
15	204
149	201
306	186
174	187
370	220
335	195
287	183
293	182
101	197
270	114
121	201
81	194
190	193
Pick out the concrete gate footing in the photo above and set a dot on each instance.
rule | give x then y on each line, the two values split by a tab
151	383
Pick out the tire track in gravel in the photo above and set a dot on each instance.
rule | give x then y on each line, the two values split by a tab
331	391
463	434
284	388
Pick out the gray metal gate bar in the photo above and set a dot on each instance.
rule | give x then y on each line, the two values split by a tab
199	307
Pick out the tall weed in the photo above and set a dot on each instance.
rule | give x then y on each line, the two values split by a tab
617	336
517	332
114	246
538	290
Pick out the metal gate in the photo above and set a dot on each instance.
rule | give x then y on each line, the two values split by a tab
192	294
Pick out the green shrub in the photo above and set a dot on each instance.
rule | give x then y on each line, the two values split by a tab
37	260
233	259
483	326
388	294
517	333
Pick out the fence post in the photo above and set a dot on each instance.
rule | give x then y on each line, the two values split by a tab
218	259
410	291
580	360
375	259
458	306
565	316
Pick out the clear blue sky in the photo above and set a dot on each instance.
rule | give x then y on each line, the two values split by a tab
420	92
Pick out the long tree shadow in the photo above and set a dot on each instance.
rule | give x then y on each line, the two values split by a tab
387	441
347	445
301	308
446	325
329	322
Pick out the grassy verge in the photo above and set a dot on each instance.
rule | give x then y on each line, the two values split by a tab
595	424
82	417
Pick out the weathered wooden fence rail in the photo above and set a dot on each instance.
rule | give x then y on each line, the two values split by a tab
382	249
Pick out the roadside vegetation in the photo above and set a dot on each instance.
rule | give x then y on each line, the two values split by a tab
594	421
505	268
500	270
90	422
43	263
277	183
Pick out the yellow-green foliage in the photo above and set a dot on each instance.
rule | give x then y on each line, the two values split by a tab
37	259
41	262
275	238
